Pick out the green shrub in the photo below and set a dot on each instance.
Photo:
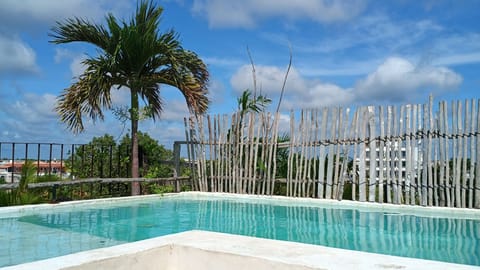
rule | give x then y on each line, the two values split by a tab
161	189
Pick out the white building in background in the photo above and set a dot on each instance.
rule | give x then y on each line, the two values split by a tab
10	171
397	160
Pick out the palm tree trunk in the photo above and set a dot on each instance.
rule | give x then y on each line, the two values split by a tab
134	119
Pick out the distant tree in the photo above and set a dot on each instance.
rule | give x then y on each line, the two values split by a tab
103	157
133	55
99	158
151	156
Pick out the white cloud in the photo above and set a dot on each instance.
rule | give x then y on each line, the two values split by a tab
395	80
221	62
174	110
77	67
223	14
399	80
269	79
31	109
299	92
17	57
216	91
459	59
46	12
62	54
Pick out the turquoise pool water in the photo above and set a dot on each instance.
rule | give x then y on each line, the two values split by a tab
58	232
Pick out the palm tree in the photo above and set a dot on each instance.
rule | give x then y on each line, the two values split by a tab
133	55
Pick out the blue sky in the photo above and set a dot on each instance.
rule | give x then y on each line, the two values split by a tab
345	53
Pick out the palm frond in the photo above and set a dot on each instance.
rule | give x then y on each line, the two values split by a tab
80	30
88	96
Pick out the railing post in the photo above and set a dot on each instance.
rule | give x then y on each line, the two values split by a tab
176	162
54	192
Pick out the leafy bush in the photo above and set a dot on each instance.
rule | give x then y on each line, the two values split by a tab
161	189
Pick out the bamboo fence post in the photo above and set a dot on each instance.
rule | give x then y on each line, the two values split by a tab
465	153
200	154
473	156
388	154
290	155
415	189
408	149
429	152
269	162
400	135
265	148
454	156
309	156
193	136
228	151
331	155
337	155
477	164
231	154
210	153
190	154
344	165
361	166
381	155
457	156
242	156
355	123
447	154
249	161
301	169
426	159
298	145
220	151
436	189
443	162
394	160
216	158
255	155
372	181
274	145
315	156
203	152
321	162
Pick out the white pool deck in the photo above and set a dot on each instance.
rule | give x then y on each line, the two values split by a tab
210	250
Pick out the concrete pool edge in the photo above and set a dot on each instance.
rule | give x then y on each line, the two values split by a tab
212	250
427	211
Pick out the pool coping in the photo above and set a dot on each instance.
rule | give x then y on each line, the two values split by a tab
427	211
212	250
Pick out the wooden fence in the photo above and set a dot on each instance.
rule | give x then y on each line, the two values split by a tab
416	154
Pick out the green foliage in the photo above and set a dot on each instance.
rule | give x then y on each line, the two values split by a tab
151	154
103	157
186	188
247	103
161	189
27	175
280	189
48	178
93	159
21	195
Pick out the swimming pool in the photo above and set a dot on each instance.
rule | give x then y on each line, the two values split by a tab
42	232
